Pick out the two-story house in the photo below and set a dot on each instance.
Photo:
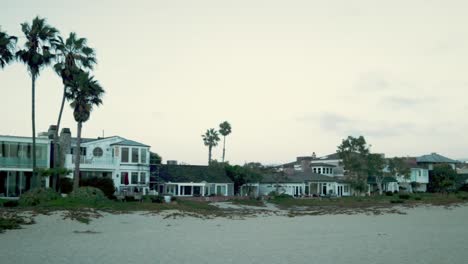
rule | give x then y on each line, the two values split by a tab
125	161
16	163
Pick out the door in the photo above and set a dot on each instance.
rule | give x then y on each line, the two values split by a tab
324	189
340	190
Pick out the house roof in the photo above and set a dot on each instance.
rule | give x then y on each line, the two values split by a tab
297	177
189	173
334	156
321	164
127	142
434	158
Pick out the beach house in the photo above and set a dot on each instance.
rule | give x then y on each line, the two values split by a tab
16	163
191	180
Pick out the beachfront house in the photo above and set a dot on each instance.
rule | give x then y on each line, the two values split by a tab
297	184
16	163
428	161
124	161
191	180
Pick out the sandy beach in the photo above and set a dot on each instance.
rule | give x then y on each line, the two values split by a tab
423	235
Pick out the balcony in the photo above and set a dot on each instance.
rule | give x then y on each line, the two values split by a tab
92	163
22	163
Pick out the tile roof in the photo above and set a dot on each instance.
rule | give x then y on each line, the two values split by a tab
434	158
297	177
127	142
189	173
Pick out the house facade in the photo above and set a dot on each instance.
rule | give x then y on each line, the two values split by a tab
190	180
16	163
298	184
125	161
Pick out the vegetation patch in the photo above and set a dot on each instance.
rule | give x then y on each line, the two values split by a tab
38	196
11	221
88	194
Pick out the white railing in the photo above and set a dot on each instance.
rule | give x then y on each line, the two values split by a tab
92	161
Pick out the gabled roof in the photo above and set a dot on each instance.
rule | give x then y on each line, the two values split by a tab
189	173
434	158
127	142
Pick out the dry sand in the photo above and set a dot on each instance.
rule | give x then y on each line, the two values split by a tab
423	235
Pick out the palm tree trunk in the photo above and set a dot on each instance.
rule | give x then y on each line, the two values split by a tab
209	155
57	156
35	179
76	177
224	147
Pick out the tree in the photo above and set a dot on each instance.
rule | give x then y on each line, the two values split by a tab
210	139
354	153
155	158
224	130
72	56
443	178
399	167
375	166
7	48
36	55
85	93
242	175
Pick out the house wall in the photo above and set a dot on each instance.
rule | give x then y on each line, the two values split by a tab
111	161
292	189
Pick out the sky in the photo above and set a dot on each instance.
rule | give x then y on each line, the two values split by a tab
292	77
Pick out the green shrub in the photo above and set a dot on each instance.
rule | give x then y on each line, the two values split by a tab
389	193
38	196
104	184
173	198
404	196
88	194
11	203
66	185
397	201
157	199
417	198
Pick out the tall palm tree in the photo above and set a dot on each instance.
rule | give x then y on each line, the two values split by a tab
224	130
72	55
7	47
210	139
85	93
36	55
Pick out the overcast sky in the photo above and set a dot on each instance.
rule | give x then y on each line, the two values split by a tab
292	77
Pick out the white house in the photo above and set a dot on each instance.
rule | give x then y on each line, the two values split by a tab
125	161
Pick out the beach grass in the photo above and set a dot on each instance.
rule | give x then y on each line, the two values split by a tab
248	202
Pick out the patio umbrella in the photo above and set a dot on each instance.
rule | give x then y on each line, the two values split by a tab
126	182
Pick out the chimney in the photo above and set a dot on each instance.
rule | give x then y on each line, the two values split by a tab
51	131
65	144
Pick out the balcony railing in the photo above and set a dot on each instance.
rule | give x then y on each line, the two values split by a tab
16	162
92	161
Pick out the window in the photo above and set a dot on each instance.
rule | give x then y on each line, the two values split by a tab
315	170
135	155
319	170
124	155
345	188
134	177
143	155
73	149
124	178
142	177
97	152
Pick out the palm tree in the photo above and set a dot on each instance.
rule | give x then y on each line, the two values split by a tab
36	55
210	139
7	46
224	130
72	55
85	93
